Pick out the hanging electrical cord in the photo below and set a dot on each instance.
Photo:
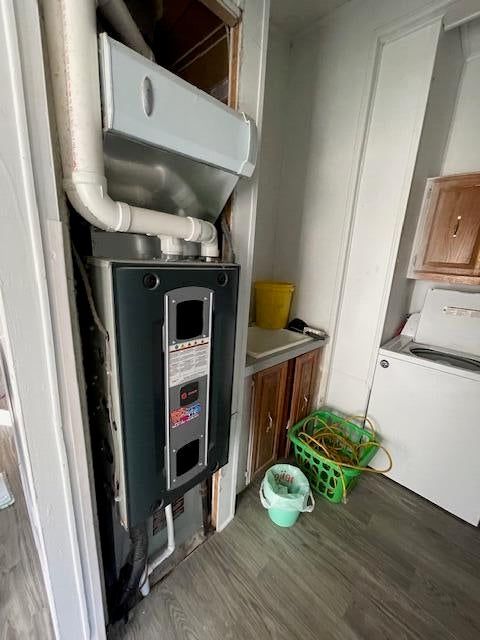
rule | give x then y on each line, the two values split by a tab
103	331
128	582
330	441
89	293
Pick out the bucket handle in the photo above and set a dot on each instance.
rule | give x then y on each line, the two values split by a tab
263	499
309	507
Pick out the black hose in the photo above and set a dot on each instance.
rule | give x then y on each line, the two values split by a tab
131	573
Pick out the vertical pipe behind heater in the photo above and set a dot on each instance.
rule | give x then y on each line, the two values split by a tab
166	553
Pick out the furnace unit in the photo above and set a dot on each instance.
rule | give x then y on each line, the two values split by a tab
167	377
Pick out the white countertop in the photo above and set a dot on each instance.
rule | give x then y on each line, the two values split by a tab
254	365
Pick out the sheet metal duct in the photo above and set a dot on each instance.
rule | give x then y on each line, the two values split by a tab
167	144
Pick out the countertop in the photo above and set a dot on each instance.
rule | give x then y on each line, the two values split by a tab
254	365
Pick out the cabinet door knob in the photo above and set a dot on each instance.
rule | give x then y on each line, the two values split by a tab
270	422
457	226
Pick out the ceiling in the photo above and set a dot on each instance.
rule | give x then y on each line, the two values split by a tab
292	16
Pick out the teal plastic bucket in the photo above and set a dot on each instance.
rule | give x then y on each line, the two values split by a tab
285	493
282	517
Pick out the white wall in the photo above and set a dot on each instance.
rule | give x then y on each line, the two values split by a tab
435	133
331	71
462	153
463	149
401	87
271	153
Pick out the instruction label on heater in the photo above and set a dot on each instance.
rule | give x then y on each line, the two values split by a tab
188	361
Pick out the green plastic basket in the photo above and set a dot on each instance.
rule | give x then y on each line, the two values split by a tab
323	474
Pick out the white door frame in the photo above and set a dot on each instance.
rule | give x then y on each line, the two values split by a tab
251	83
388	33
49	407
39	346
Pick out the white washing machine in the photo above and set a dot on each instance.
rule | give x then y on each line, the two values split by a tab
425	401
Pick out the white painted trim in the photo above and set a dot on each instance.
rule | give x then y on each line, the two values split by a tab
251	90
392	31
461	12
400	219
57	481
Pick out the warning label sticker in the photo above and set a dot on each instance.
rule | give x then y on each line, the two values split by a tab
187	361
184	414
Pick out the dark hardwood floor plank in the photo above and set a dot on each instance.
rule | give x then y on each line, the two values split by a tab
386	565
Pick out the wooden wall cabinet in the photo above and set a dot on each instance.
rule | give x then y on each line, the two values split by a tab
447	243
282	395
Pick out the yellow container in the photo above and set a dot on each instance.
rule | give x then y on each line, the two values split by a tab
272	304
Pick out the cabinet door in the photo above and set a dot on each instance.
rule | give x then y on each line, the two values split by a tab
267	410
449	241
306	367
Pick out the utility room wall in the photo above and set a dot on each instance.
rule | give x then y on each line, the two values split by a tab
462	153
275	123
330	76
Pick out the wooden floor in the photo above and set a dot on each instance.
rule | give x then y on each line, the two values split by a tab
388	565
24	612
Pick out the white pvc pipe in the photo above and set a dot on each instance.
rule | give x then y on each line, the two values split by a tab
117	14
166	553
72	44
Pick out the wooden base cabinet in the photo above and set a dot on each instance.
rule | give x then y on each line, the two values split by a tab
267	412
282	395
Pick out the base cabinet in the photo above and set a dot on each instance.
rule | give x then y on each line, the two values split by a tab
281	396
267	412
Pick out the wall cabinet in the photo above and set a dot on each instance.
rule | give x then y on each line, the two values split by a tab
282	395
447	243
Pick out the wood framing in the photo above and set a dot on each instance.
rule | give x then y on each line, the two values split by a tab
251	81
39	347
228	12
233	75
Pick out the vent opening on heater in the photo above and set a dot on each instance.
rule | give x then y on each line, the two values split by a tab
189	319
187	457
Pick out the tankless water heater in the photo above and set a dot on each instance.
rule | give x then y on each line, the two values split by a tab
167	377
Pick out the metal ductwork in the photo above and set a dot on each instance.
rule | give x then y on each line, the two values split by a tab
167	156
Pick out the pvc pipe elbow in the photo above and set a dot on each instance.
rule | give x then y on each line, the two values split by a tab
205	233
210	249
88	195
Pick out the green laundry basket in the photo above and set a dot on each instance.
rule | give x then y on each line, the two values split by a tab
285	492
325	476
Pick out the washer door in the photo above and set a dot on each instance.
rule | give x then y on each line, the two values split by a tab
445	358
